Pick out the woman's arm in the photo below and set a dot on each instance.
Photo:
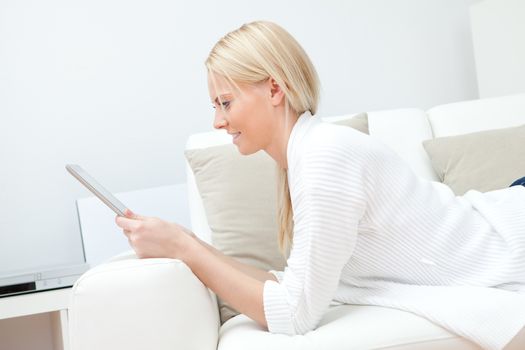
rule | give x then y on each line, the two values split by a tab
240	285
252	271
237	284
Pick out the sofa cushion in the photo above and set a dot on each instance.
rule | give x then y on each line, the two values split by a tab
484	161
347	327
477	115
239	195
358	122
403	130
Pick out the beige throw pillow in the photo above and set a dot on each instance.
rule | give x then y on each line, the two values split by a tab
358	122
484	161
239	194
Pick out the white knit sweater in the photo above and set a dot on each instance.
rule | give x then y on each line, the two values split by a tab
368	230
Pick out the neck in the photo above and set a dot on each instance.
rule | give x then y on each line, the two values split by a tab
277	149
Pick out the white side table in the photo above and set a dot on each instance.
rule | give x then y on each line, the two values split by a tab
54	301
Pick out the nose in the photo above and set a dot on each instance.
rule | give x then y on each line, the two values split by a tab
219	122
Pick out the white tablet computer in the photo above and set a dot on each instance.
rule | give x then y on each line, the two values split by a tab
91	184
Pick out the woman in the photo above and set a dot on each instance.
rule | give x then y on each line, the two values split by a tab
365	229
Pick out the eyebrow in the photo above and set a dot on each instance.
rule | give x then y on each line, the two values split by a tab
222	96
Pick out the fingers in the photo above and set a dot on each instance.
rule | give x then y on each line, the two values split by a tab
132	215
127	221
127	224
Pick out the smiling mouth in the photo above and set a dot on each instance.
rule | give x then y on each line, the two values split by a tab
236	135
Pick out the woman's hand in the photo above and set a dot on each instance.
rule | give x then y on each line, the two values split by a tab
152	237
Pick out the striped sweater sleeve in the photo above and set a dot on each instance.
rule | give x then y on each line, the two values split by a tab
328	201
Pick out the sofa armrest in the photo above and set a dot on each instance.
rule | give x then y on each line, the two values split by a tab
131	303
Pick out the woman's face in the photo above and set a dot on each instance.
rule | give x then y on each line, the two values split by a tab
245	114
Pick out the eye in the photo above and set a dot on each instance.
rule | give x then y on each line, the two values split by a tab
225	104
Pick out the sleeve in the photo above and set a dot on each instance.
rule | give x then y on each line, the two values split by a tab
329	200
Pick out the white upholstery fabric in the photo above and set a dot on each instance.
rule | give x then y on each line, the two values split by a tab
346	327
138	304
404	130
477	115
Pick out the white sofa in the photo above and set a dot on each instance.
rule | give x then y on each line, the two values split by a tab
160	304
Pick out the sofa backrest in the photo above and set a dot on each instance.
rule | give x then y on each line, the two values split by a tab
404	130
477	115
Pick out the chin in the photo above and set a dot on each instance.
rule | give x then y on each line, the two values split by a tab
247	152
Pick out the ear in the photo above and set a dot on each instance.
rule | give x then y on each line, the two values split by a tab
276	93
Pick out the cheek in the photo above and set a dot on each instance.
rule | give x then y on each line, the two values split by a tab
258	113
252	117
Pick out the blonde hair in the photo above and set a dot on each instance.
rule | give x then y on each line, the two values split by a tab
253	53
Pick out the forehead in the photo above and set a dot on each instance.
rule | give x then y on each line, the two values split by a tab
218	85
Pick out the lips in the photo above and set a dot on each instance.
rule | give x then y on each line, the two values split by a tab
235	135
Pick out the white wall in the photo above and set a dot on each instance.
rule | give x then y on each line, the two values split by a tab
498	31
117	86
